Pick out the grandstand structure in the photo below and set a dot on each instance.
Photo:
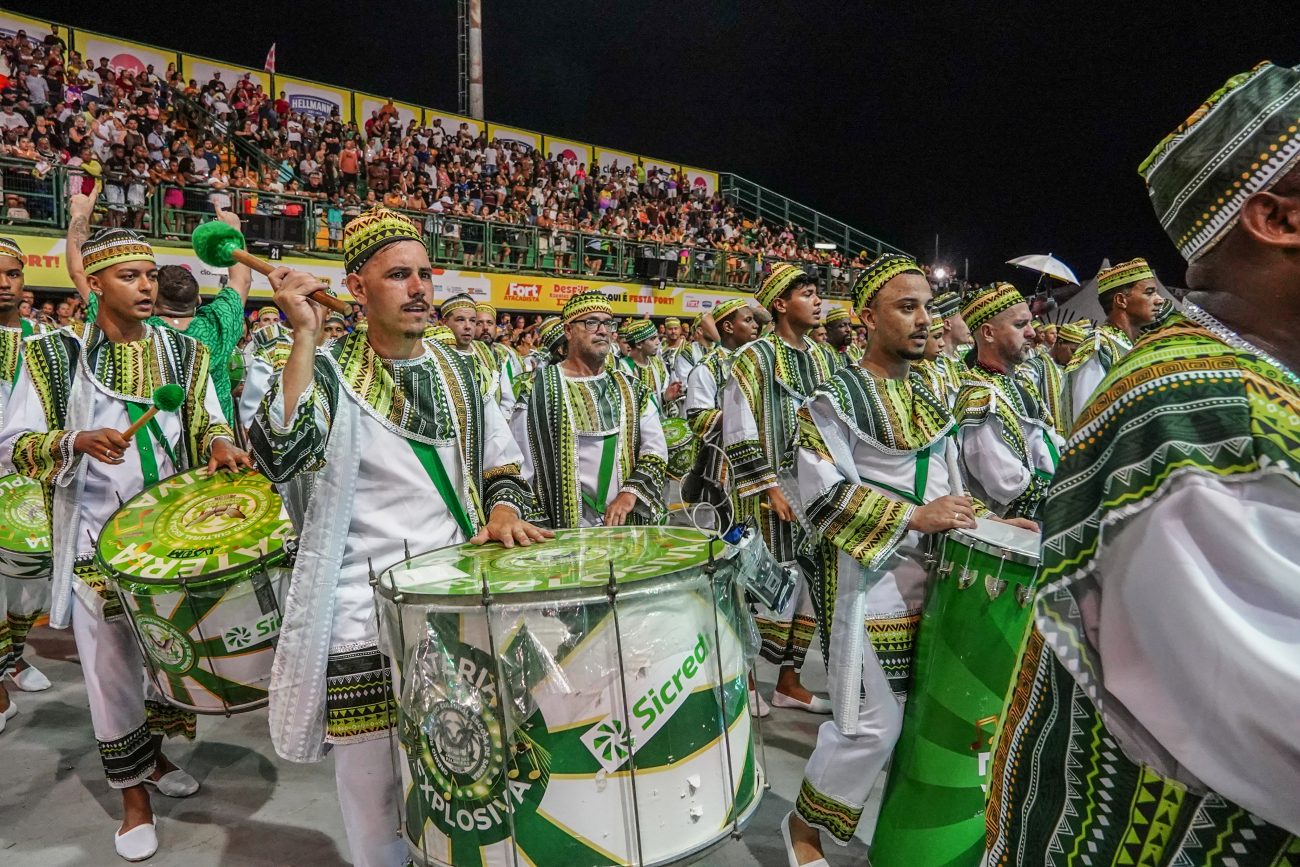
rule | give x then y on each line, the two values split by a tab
518	265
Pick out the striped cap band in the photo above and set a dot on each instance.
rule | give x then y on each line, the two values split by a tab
371	232
585	303
989	302
456	302
728	307
640	330
1123	274
783	276
881	270
109	247
9	247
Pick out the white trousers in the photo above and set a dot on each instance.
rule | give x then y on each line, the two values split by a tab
116	685
843	768
25	601
365	774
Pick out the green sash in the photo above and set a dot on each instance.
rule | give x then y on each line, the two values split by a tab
917	496
27	331
1054	452
607	450
143	444
429	458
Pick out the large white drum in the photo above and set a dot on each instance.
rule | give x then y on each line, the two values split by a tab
542	721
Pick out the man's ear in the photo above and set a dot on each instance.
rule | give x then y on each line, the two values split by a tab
1272	219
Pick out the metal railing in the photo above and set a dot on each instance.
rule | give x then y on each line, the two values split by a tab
758	201
308	225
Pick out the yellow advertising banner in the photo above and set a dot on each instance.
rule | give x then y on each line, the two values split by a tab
46	270
121	54
202	70
311	98
514	134
567	149
35	29
367	105
697	178
607	158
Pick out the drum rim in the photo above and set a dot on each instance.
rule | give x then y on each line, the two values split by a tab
527	597
270	560
985	547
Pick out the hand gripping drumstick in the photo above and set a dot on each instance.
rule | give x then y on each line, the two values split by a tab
167	398
220	246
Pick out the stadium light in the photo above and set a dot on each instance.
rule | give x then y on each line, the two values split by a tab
940	273
823	245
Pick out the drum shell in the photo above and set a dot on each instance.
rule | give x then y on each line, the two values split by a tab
972	629
209	644
24	530
682	448
558	719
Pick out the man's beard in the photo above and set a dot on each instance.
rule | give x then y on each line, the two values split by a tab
911	354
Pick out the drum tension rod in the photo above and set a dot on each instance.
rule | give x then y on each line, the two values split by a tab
611	591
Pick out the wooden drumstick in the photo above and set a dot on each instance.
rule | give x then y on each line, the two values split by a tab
220	246
167	398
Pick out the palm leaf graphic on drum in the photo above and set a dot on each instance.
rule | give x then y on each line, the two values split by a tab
186	617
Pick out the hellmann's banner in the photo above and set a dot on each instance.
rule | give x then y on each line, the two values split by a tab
46	270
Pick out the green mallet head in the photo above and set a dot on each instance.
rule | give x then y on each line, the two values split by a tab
215	243
168	398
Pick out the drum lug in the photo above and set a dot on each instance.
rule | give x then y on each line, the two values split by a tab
1024	594
966	579
994	586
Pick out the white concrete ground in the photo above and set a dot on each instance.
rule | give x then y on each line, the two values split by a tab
255	810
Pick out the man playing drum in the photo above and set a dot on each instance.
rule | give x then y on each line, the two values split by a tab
21	601
57	418
595	450
402	451
876	466
1128	295
1009	444
1154	716
459	314
771	376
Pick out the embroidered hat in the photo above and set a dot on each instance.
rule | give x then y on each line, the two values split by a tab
9	247
268	309
1074	332
947	304
728	307
881	270
835	314
440	333
1123	274
1241	141
113	246
371	232
936	324
989	302
484	307
550	333
461	301
585	303
672	321
640	331
783	276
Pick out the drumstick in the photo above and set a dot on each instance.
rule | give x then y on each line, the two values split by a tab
221	246
165	397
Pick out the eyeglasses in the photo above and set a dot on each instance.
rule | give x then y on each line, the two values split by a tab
595	324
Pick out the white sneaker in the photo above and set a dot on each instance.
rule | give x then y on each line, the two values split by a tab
174	784
30	679
139	843
758	707
817	705
9	713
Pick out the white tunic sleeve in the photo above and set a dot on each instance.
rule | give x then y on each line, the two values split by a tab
990	465
1199	634
1083	382
701	389
257	382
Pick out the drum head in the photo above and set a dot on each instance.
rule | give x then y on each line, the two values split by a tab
575	560
190	529
24	525
677	432
1011	543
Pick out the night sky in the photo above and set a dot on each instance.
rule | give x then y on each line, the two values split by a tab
1006	128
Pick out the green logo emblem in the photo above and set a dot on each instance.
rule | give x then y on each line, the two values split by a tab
610	742
166	645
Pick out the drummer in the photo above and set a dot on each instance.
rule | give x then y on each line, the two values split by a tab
459	314
55	420
21	601
595	452
875	474
736	326
404	451
1008	439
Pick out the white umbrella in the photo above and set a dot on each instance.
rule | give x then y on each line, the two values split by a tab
1046	264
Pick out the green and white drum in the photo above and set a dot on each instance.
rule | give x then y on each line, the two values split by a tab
199	563
682	446
541	724
976	617
24	529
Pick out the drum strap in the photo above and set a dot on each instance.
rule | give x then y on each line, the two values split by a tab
429	458
917	496
144	444
26	329
607	450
